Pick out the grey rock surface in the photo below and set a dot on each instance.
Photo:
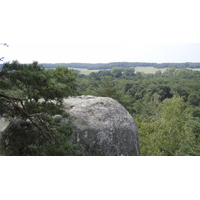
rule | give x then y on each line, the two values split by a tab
3	123
102	126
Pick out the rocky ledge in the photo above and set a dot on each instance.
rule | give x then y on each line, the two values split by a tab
102	126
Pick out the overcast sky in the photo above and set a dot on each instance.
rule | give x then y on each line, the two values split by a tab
93	31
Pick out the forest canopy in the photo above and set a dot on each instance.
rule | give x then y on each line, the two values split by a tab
165	106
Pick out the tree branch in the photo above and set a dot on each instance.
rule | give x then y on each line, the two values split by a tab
24	111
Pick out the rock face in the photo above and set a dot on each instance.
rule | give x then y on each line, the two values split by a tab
3	124
101	125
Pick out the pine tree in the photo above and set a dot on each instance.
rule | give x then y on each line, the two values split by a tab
31	93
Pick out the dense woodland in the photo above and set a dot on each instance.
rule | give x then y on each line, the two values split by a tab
165	105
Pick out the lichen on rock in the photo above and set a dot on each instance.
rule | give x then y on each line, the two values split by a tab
102	126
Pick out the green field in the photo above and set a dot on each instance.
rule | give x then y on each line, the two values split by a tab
87	72
148	69
137	69
84	70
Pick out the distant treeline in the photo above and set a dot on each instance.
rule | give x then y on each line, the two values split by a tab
97	66
100	66
177	65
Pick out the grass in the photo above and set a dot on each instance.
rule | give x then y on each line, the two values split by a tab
148	69
137	69
87	72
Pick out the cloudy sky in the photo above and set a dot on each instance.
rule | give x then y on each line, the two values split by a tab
95	31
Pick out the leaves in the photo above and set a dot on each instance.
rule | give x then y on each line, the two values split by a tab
32	93
164	106
168	129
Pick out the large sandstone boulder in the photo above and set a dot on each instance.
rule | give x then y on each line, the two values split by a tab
101	125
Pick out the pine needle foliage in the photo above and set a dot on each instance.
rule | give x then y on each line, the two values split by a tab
34	94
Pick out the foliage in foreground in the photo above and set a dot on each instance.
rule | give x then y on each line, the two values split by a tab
32	93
